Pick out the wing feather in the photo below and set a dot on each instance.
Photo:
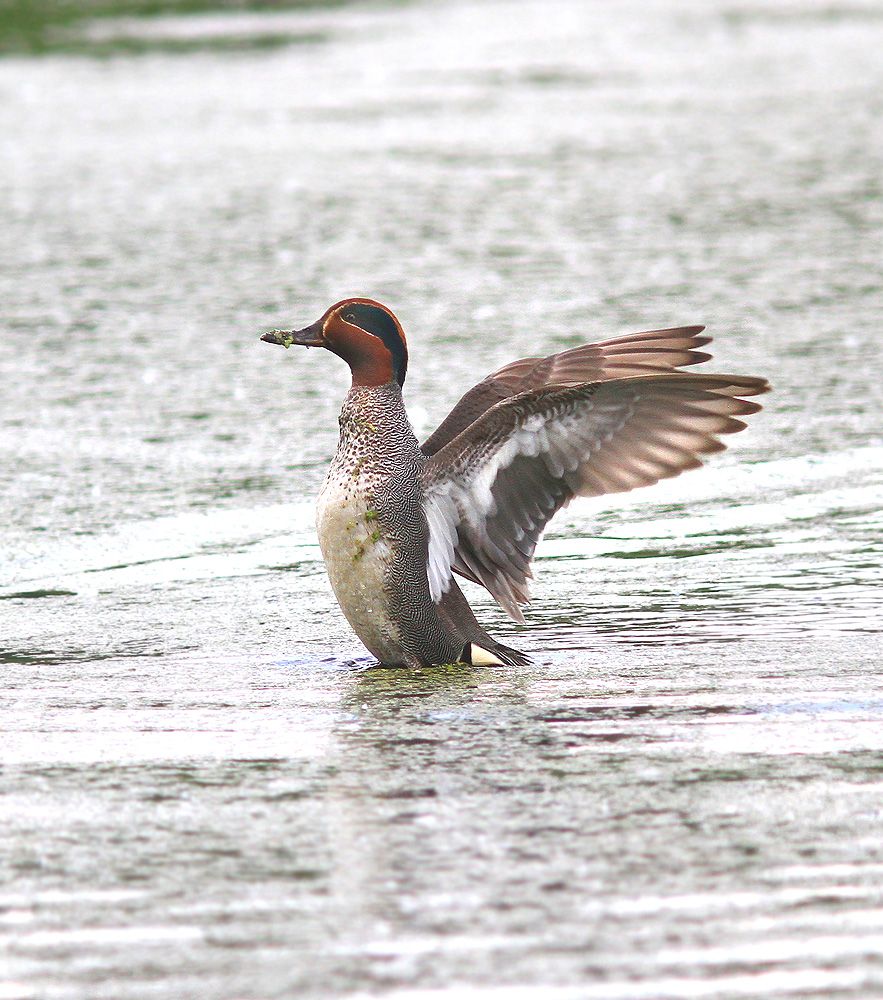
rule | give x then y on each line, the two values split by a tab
650	353
491	491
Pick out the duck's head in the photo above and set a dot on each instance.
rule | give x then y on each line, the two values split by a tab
361	331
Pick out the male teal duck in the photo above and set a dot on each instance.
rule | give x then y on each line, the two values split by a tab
397	521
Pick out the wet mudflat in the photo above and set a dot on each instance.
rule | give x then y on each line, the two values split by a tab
206	790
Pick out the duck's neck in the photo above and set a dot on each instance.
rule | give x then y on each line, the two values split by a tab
373	418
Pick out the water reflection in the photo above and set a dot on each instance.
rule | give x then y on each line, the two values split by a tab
428	812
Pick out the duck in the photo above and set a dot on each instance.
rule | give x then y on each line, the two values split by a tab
399	522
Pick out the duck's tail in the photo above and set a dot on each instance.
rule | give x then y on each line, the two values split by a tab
492	654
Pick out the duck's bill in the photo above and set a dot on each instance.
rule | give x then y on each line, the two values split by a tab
310	336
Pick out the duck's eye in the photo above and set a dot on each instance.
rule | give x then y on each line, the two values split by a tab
349	317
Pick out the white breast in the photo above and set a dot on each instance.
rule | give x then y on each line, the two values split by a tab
357	557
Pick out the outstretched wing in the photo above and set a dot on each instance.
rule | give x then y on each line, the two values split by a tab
491	491
653	352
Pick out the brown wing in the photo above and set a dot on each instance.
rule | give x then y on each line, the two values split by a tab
653	352
491	491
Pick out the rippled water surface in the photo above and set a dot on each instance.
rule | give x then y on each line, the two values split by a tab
206	789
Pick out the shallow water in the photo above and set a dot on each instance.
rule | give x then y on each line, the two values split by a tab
206	790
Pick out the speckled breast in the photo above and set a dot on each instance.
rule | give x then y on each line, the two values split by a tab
358	558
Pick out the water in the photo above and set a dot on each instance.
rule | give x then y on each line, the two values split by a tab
206	791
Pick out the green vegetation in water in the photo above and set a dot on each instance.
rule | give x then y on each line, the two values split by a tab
30	595
42	26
